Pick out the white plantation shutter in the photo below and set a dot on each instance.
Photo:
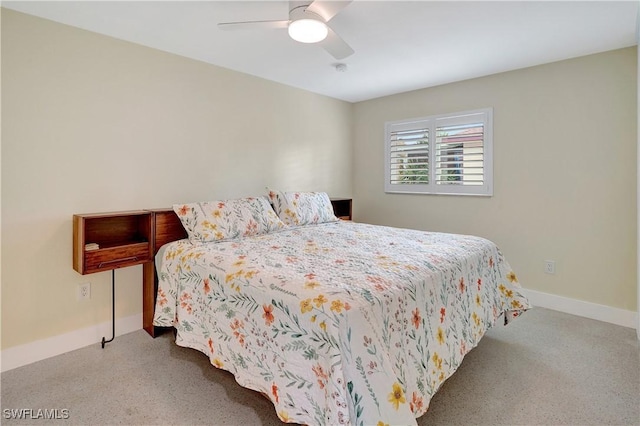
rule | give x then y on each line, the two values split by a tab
459	151
409	154
445	154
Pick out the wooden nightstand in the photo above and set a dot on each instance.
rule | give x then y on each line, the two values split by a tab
108	241
342	208
122	238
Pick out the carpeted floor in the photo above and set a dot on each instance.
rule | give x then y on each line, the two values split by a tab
546	368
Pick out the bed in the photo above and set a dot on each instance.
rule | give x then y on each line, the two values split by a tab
335	322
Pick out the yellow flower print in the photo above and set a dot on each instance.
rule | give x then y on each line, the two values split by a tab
512	277
219	235
440	336
217	213
218	363
284	416
208	225
305	306
174	254
381	423
478	300
320	300
337	306
313	318
311	285
250	274
238	263
516	304
323	326
396	397
476	319
437	360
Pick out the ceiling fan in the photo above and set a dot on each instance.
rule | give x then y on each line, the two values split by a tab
307	23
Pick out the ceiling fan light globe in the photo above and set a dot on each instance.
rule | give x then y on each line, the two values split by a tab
308	30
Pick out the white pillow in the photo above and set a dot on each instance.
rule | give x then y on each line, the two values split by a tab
302	208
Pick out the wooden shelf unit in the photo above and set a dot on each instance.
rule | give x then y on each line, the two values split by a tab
124	239
342	208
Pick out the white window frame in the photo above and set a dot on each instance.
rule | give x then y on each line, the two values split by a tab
485	115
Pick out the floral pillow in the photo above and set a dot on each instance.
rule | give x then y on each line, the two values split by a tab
302	208
212	221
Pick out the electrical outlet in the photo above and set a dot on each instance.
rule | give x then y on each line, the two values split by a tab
549	267
84	291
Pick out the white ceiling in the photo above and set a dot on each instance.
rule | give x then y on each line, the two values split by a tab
399	46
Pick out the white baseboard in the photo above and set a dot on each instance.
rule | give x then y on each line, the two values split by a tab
584	309
28	353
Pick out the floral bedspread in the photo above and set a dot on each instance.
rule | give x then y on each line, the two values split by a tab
339	323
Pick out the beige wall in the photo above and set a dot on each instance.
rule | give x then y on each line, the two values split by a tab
95	124
564	172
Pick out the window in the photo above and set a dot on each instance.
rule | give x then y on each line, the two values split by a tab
443	154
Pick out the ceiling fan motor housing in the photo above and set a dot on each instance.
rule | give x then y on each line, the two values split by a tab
306	26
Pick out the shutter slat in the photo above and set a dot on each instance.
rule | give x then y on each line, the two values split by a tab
402	166
476	143
468	163
411	137
469	183
461	172
410	148
458	178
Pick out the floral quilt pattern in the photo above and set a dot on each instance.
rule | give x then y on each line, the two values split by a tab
338	323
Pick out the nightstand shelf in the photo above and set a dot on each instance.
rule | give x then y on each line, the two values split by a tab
123	239
342	208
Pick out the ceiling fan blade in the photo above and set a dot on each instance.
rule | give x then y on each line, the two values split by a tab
253	25
327	9
336	46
